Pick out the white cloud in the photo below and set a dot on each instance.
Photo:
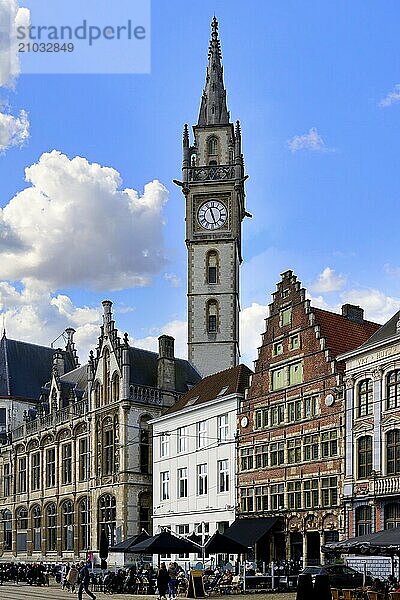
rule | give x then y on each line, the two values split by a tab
176	328
173	280
252	326
11	17
328	281
14	131
391	97
74	226
309	141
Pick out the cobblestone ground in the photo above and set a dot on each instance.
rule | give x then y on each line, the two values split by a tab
27	592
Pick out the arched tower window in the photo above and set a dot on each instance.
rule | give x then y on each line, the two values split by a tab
115	387
364	446
212	267
212	316
106	376
108	517
108	439
212	149
144	445
97	394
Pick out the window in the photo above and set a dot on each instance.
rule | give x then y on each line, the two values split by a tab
202	479
246	500
212	316
261	496
294	411
277	496
67	463
261	455
223	428
164	485
246	458
212	145
310	406
277	414
201	434
145	511
393	452
329	445
212	267
115	388
50	467
294	451
36	528
294	342
278	379
278	348
311	447
7	479
310	488
223	475
67	514
164	445
36	471
183	482
277	453
364	454
144	445
108	518
108	447
7	530
392	515
393	390
84	459
285	317
84	524
183	439
365	397
261	418
295	373
329	491
106	376
51	526
294	494
363	517
183	530
22	526
3	419
22	475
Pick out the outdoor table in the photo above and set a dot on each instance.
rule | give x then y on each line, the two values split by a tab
259	582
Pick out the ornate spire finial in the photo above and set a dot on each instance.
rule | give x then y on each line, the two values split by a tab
186	135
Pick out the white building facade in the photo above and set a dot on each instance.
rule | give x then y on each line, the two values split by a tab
194	458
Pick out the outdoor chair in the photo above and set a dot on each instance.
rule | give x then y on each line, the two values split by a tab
394	596
350	594
237	585
375	595
335	594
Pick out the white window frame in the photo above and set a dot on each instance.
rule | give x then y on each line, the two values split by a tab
223	475
202	479
183	439
164	486
223	427
164	445
182	477
201	434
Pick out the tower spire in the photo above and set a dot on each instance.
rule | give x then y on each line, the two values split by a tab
213	108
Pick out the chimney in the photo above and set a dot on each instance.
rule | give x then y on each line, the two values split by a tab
353	313
70	346
166	363
107	316
58	363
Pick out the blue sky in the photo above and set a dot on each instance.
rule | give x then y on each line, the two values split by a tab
308	80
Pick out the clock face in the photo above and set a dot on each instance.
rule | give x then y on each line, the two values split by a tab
212	214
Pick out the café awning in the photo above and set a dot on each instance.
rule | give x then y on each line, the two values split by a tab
126	545
250	531
220	543
385	543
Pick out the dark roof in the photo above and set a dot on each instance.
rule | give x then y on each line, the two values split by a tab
76	378
250	531
342	334
25	368
143	365
387	331
235	380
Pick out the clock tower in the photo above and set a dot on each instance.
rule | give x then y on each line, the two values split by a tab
213	185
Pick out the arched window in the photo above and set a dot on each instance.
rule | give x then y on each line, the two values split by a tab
365	397
37	528
144	511
363	516
7	530
107	517
212	267
144	445
212	147
393	452
97	394
392	515
51	527
212	316
22	527
364	445
393	390
84	524
115	388
108	442
106	376
67	514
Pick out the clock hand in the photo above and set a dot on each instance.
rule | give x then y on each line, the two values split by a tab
212	214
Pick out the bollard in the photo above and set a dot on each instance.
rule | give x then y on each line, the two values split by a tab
305	589
322	588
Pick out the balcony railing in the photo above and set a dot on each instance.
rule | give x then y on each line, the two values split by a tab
43	422
212	173
147	395
385	486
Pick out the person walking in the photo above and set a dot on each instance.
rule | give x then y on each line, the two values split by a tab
84	579
72	577
162	581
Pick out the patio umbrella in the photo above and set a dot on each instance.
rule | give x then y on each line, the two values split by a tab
385	543
220	543
128	544
164	543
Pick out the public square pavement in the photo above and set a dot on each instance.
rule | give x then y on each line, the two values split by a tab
27	592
